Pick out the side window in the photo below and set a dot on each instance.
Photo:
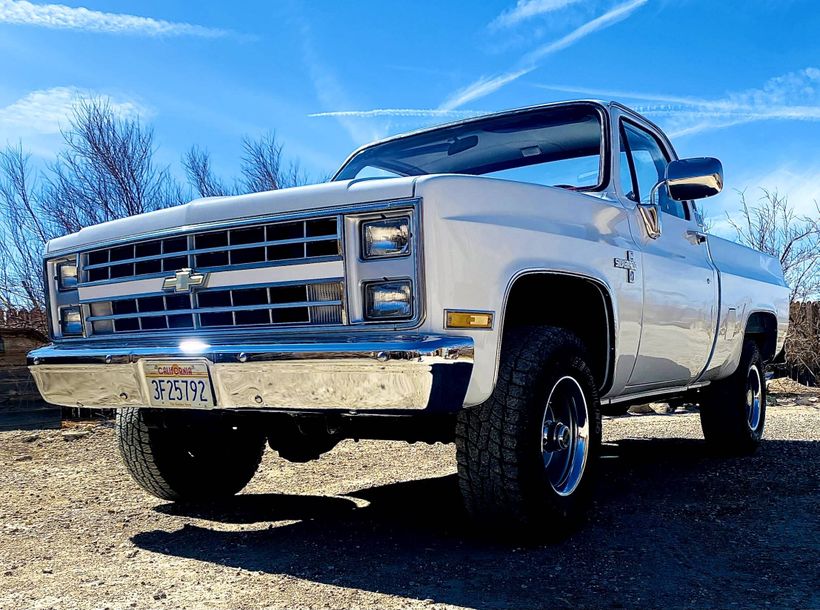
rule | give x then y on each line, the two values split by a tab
648	162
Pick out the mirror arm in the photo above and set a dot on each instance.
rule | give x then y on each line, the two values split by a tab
651	213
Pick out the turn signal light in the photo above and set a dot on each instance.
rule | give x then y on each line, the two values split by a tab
469	319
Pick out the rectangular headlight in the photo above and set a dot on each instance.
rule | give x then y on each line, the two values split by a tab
391	300
71	321
67	274
387	237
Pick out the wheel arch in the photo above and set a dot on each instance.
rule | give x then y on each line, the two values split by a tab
585	308
761	326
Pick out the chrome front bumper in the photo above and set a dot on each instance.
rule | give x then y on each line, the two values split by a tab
351	373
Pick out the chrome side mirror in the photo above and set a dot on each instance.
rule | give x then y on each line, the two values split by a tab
696	178
685	179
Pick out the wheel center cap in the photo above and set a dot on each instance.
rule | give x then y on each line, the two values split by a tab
557	436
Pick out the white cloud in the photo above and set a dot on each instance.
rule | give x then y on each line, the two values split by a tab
611	17
482	87
38	116
794	96
60	16
490	84
330	92
525	10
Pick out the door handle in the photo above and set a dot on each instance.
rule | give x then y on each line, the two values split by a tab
696	237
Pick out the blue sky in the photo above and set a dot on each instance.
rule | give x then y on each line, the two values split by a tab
736	80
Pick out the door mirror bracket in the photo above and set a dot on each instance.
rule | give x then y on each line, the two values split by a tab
651	212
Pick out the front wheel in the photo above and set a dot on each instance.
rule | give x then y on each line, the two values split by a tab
527	456
194	456
733	410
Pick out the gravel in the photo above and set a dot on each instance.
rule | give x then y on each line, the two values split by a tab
379	525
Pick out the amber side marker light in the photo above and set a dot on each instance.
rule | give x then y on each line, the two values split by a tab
468	319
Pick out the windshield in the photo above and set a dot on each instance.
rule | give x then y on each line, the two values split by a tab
558	146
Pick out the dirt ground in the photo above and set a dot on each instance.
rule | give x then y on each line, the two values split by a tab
379	525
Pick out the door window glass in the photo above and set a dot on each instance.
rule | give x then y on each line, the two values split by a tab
649	161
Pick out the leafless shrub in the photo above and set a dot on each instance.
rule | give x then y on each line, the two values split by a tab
106	171
772	226
803	343
24	232
263	167
197	164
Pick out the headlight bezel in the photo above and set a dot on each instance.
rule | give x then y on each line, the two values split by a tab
366	240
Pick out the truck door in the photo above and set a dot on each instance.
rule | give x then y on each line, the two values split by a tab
679	279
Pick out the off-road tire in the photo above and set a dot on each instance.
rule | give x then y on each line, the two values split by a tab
179	460
501	470
723	409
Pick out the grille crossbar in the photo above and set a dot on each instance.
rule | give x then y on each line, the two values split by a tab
308	303
254	246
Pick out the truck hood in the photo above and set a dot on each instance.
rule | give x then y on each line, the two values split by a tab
329	195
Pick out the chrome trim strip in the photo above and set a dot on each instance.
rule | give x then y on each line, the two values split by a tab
239	267
308	346
161	293
656	393
307	273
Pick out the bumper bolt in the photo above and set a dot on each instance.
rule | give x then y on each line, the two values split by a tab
108	359
258	399
124	396
382	356
243	357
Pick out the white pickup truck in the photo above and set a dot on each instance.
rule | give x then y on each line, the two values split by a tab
499	282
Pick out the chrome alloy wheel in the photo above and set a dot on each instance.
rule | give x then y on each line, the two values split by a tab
754	396
565	435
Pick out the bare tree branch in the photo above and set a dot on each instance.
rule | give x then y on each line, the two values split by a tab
772	226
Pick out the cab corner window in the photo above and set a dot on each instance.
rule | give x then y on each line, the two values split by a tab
643	165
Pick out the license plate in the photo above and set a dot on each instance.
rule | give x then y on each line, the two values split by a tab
178	383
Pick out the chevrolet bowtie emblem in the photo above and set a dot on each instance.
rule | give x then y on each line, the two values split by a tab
184	280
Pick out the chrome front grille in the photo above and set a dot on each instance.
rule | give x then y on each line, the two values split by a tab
270	244
311	303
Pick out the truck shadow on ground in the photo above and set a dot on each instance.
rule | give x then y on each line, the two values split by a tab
671	526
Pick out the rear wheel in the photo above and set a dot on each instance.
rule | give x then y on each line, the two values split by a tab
733	410
527	456
189	457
